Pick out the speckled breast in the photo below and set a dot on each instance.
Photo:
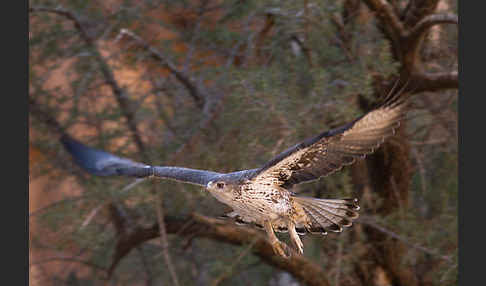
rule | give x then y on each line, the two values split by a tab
260	202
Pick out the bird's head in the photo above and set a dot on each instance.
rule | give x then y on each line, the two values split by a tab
218	186
221	190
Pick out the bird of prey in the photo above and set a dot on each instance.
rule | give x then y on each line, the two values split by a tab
262	196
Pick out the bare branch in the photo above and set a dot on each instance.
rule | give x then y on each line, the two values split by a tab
417	10
186	80
386	15
406	36
44	116
163	233
430	21
414	36
68	14
95	211
54	204
436	81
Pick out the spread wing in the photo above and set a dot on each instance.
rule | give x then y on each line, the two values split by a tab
329	151
101	163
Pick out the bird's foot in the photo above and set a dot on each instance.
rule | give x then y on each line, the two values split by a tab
296	242
281	249
299	246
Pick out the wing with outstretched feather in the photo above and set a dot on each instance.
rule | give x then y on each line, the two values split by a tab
329	151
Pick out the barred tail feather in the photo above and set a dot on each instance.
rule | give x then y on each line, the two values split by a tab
328	214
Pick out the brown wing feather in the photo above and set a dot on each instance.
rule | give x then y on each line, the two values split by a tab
331	150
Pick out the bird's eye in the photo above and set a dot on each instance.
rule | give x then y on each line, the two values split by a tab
220	185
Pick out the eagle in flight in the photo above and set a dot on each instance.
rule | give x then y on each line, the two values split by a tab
262	196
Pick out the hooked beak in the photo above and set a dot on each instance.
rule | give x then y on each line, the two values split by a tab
209	185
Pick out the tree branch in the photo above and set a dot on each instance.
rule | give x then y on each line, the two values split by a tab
406	37
425	81
44	116
67	14
188	82
386	15
205	227
416	10
163	232
429	21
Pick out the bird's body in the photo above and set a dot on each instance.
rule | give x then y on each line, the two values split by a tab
269	204
254	202
263	196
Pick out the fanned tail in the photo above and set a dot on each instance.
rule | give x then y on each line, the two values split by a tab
324	215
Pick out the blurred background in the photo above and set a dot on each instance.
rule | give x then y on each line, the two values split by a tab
225	86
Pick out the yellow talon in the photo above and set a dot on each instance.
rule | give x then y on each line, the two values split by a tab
281	249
